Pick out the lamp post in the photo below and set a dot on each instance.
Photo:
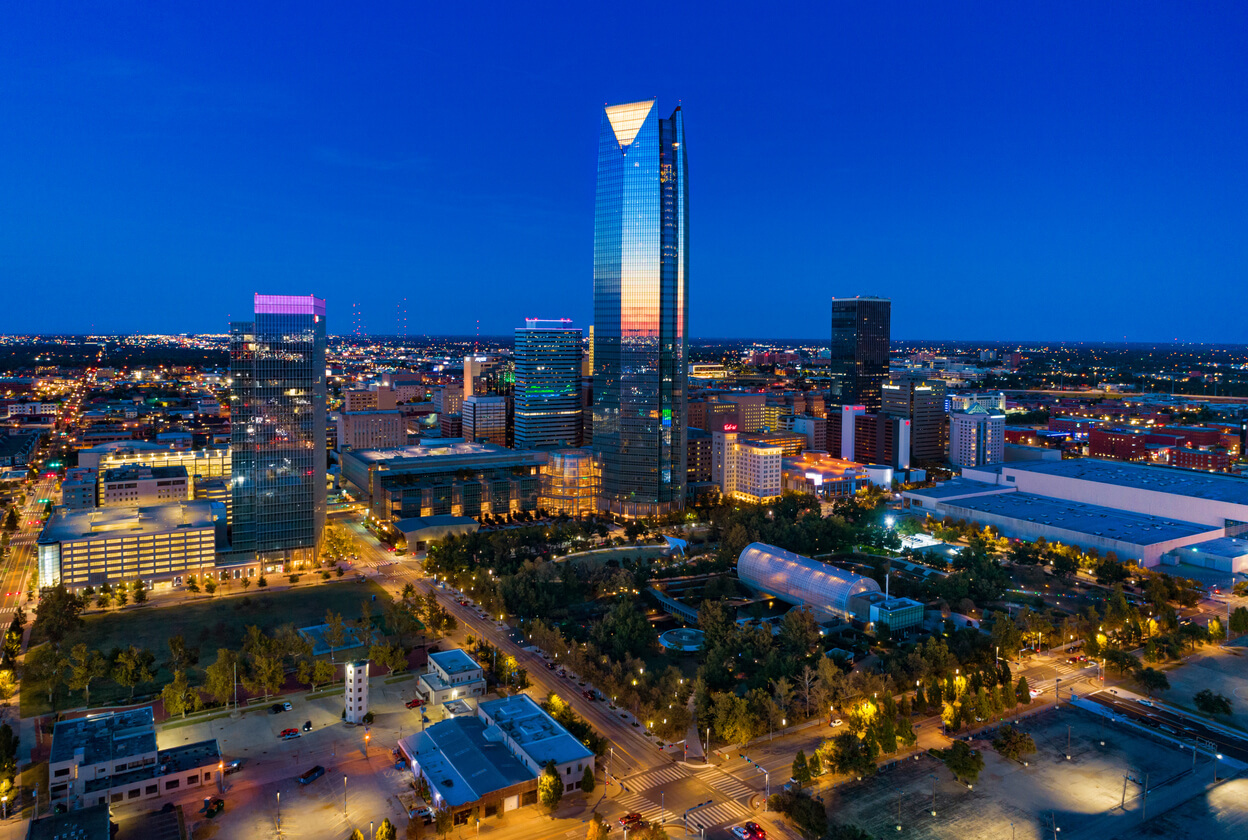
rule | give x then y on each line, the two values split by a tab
932	776
1216	758
344	795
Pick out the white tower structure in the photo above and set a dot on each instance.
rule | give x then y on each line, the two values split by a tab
357	691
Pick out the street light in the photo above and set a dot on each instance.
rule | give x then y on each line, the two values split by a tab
344	795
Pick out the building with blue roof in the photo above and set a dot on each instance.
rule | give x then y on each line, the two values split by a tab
451	675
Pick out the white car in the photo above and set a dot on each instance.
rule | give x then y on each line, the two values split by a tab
837	722
1036	692
740	832
1144	702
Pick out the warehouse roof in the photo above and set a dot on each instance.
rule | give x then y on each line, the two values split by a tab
1200	485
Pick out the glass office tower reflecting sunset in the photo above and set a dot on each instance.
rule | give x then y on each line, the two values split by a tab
277	429
641	283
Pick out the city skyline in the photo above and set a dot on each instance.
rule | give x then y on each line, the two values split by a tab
1058	197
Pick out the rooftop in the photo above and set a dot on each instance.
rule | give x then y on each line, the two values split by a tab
1200	485
88	824
136	472
458	448
958	488
104	737
454	661
461	762
535	731
1092	520
67	525
1230	547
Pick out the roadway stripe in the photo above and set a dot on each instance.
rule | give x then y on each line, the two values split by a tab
726	784
654	778
717	814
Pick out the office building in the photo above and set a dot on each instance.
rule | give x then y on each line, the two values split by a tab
813	429
922	402
571	482
206	463
143	486
858	362
1118	444
78	490
488	763
993	401
484	420
641	320
745	470
976	437
371	429
277	429
450	675
547	387
112	758
698	456
822	475
448	399
155	544
454	477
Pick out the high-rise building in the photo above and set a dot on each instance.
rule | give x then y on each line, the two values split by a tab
922	402
485	420
745	470
641	318
858	362
548	385
976	437
277	428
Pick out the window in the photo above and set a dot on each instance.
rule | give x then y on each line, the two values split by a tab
193	779
116	797
64	771
172	784
132	794
151	790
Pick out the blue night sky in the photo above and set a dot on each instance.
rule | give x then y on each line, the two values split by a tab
1017	170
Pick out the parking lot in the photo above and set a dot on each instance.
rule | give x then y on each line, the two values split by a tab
1084	796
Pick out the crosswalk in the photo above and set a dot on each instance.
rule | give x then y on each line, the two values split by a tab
636	803
720	812
654	778
730	786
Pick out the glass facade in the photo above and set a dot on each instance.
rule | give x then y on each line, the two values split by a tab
547	386
641	281
801	581
859	359
277	428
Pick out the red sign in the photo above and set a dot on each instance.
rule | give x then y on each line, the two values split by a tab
730	427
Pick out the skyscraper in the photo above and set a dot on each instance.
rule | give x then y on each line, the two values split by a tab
922	402
641	320
859	359
548	385
277	428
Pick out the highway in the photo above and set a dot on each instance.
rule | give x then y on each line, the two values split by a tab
1174	724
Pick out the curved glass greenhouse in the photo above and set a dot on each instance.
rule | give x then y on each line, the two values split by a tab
802	581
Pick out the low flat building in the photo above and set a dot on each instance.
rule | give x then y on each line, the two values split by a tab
88	824
822	475
451	675
158	543
112	758
422	531
492	760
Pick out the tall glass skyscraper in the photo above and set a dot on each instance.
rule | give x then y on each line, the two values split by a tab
859	360
547	391
641	317
277	429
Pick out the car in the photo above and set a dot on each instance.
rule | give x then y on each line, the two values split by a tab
837	722
550	666
629	820
233	766
1035	692
307	726
756	831
739	831
312	775
414	703
276	709
287	734
587	694
214	807
286	707
1144	702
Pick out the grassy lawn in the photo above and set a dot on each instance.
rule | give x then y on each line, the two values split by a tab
207	623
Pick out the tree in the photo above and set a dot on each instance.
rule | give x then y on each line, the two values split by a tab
1022	692
387	831
851	754
220	679
178	696
1150	679
587	780
801	769
121	596
549	787
45	667
210	586
192	585
262	581
133	666
140	592
598	830
335	631
86	666
1239	620
181	656
1212	704
1013	744
965	762
356	835
10	520
59	613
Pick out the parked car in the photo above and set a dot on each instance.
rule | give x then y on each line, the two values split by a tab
414	703
312	775
307	726
1035	692
233	766
287	734
837	722
276	709
214	807
286	707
